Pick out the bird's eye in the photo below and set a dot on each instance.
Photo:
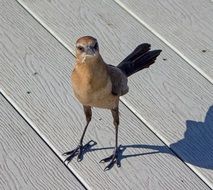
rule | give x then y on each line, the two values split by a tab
80	48
96	46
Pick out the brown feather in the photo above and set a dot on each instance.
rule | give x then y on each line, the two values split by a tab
92	84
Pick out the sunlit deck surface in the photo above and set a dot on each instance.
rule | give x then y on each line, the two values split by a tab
166	119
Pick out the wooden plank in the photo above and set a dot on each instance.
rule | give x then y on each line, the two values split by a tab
35	71
26	162
171	92
185	26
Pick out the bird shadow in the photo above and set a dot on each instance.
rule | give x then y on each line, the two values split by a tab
195	148
122	148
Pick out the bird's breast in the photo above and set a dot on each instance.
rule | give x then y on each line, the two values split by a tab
94	91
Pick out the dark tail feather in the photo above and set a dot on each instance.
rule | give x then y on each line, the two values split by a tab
139	59
139	50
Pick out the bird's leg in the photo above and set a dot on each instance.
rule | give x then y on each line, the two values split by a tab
114	157
80	148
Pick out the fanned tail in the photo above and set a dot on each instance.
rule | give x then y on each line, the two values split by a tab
139	59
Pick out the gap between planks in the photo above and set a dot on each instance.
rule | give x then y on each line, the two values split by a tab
195	67
43	138
146	123
129	107
73	53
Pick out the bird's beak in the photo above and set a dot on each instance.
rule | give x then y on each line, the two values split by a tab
90	51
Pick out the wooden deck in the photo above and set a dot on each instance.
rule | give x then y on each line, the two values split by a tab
166	125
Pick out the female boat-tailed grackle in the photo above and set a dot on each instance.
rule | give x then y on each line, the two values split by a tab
97	84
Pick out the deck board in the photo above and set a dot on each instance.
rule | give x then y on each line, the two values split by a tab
175	101
186	26
35	72
26	162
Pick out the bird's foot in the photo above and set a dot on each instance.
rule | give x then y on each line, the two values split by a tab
114	158
78	151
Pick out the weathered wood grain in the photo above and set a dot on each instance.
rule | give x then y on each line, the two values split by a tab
35	72
167	96
186	26
26	162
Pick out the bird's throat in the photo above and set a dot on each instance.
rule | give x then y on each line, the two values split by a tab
92	70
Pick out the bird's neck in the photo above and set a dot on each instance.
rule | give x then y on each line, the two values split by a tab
93	69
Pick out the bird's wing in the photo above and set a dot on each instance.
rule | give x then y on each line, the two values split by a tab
118	79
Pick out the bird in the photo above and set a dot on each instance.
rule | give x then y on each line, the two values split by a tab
98	84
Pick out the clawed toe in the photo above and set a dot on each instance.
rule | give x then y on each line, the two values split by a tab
112	160
71	154
106	159
78	151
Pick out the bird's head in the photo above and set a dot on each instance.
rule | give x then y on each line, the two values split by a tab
87	47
